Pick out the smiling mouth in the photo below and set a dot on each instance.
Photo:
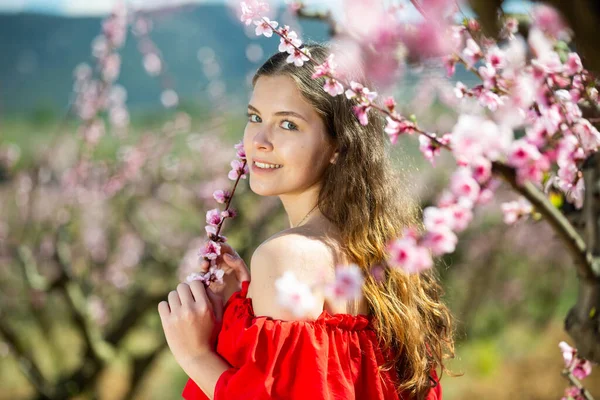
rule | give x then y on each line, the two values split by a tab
266	166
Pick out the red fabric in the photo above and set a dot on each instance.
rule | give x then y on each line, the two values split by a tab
332	358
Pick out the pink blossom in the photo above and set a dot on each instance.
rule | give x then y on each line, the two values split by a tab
461	215
482	169
549	20
460	90
212	275
361	113
289	41
490	100
575	195
348	283
239	169
406	255
568	353
524	90
221	196
522	153
390	104
511	26
516	210
395	128
425	39
581	369
533	172
449	65
356	89
548	62
440	240
297	57
210	230
434	217
495	58
475	136
573	64
471	53
325	69
240	152
588	135
573	392
429	148
111	67
333	87
463	185
485	196
211	250
294	295
252	9
229	213
213	217
488	74
265	27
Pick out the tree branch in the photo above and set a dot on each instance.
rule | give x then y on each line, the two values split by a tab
584	262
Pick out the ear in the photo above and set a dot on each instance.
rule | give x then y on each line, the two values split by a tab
334	158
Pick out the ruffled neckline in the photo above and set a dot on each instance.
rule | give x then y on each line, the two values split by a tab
240	301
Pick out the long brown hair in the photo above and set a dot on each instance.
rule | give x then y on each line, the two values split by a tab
363	195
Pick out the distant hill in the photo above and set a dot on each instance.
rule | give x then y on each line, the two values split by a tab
39	53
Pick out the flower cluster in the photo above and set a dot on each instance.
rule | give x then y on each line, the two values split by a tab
540	97
95	95
578	368
211	249
152	60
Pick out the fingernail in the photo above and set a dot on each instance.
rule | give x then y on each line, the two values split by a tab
229	256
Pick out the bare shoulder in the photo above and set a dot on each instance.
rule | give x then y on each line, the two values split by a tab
309	258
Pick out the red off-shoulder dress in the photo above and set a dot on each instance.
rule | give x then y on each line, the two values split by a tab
334	357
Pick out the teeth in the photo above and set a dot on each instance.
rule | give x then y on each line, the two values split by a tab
261	165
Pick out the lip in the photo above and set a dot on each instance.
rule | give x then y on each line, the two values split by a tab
264	161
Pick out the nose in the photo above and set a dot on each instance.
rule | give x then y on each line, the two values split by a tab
262	140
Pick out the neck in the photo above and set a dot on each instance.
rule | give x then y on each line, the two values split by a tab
298	205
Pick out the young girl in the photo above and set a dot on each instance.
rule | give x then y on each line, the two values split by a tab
344	203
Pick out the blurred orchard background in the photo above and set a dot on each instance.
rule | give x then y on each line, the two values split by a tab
102	206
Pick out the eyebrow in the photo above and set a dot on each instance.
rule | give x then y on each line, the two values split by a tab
284	113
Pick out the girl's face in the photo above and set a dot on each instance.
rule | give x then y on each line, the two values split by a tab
284	129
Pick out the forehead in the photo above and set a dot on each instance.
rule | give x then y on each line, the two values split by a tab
280	93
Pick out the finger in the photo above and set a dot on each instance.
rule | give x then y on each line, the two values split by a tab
227	249
185	294
204	265
239	267
217	304
174	301
199	292
163	309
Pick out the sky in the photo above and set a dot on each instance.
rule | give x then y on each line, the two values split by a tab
102	7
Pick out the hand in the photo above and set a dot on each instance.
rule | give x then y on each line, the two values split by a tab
236	272
191	321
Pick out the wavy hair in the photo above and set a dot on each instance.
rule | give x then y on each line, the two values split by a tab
363	195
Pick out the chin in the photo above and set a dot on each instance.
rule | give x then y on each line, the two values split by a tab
263	191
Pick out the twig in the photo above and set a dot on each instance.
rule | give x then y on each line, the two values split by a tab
575	382
584	261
